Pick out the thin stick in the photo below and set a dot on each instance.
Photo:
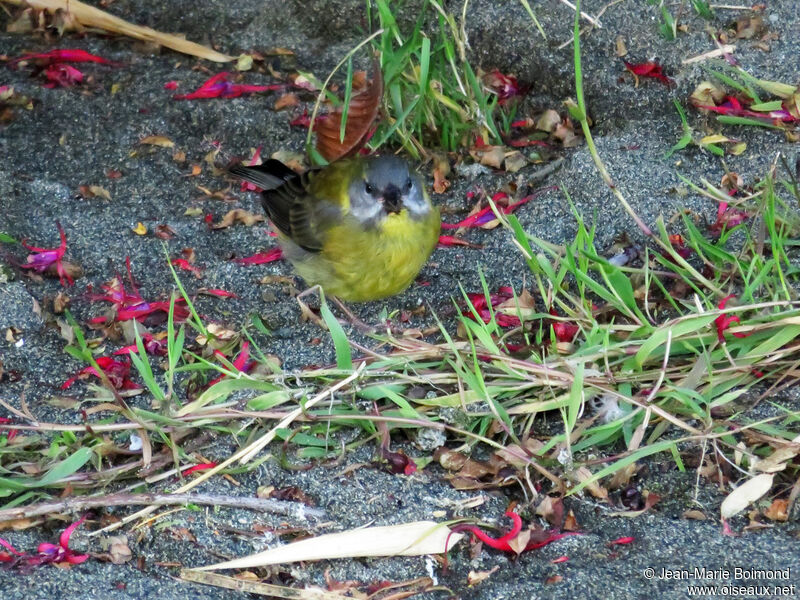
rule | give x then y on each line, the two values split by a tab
81	503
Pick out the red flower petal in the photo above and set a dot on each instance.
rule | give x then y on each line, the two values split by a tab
622	540
261	258
649	69
200	467
219	86
723	322
63	55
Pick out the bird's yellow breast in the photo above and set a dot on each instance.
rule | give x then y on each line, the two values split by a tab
358	264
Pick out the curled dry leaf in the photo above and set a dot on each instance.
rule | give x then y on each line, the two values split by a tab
778	510
94	191
157	140
777	461
288	100
238	215
582	474
441	169
707	93
476	577
361	114
489	156
548	121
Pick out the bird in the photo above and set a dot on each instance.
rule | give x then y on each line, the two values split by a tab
361	228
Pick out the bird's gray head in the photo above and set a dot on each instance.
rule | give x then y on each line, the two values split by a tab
388	186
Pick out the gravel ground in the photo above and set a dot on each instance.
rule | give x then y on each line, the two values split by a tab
74	137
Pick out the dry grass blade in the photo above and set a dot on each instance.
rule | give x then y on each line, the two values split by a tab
257	587
361	115
81	503
90	16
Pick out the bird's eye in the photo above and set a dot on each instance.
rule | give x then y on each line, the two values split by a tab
369	188
409	184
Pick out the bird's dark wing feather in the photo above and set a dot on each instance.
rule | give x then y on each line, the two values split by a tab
285	200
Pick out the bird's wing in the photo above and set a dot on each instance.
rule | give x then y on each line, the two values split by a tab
286	201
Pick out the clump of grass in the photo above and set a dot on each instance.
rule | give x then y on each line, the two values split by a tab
668	26
434	97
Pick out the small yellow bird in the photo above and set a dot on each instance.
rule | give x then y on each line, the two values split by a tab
360	227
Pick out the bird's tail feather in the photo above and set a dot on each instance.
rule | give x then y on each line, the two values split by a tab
269	176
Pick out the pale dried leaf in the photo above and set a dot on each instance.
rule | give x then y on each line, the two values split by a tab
157	140
490	156
746	494
89	16
620	49
514	161
777	460
476	577
408	539
548	121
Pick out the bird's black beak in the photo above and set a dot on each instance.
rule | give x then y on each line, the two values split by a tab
392	200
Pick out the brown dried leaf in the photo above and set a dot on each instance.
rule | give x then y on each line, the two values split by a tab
441	169
622	477
19	524
551	510
218	335
286	101
238	215
449	459
777	461
60	302
749	26
118	550
694	514
165	232
778	510
571	522
361	115
73	270
292	493
566	134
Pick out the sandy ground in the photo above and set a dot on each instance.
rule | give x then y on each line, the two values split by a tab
74	137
